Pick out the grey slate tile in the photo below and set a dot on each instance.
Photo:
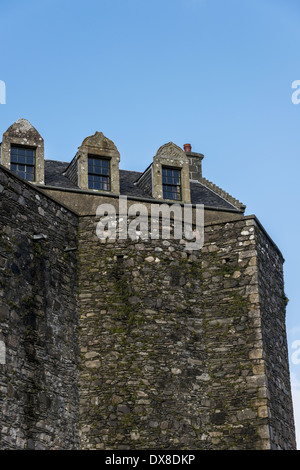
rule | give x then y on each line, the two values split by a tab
200	194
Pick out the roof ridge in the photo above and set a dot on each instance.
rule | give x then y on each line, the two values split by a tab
235	202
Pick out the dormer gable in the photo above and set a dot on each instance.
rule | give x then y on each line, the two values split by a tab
96	165
22	151
168	175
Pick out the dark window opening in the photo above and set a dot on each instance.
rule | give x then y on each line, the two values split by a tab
171	184
99	173
22	162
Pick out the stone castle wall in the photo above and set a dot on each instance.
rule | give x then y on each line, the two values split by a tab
173	353
272	301
138	344
38	320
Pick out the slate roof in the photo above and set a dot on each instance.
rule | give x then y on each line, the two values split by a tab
54	175
200	194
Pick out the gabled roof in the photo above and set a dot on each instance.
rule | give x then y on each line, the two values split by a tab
201	192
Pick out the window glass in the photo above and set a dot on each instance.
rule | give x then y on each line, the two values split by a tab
22	162
99	173
171	184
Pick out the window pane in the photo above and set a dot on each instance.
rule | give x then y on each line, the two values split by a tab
30	160
105	171
171	184
99	170
22	162
22	165
105	163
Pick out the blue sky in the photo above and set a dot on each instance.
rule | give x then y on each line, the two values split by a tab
212	73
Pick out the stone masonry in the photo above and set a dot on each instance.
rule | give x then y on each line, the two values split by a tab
133	344
173	349
38	319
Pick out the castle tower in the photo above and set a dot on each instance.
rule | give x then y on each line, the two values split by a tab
123	343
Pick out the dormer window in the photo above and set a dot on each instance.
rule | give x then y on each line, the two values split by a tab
171	181
95	166
22	151
22	162
98	173
170	174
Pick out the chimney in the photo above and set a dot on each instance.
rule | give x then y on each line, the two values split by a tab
187	147
195	162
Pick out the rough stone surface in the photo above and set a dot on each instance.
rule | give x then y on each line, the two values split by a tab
195	165
184	361
273	301
138	344
24	134
38	321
